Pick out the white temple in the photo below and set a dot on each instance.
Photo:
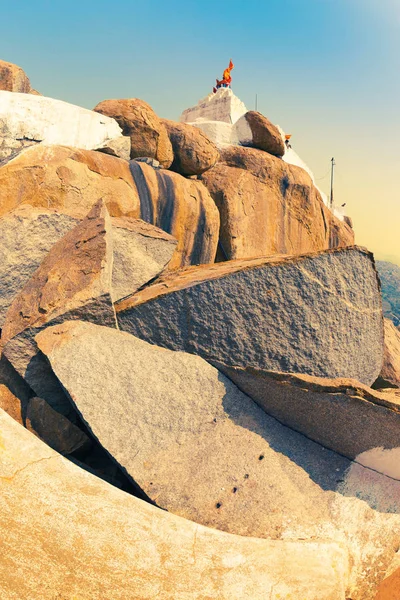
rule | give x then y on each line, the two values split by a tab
220	116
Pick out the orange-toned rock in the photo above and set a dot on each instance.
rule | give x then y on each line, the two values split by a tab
269	207
255	130
139	121
66	535
14	79
68	180
194	153
181	207
389	589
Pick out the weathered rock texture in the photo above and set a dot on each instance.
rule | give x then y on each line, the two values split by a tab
389	589
14	392
181	207
119	147
322	409
55	429
202	449
27	235
27	119
269	207
140	251
318	314
14	79
262	134
194	153
391	358
69	181
139	121
103	543
73	281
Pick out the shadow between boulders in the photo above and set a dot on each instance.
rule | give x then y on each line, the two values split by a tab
331	471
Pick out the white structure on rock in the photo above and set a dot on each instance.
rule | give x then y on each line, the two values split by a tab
219	114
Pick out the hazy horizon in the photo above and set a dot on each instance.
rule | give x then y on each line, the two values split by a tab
325	70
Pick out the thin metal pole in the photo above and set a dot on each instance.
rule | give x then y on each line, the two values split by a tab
256	102
333	167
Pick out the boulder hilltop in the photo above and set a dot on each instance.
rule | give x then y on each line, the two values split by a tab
199	394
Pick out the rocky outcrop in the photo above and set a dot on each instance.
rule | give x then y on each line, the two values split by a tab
322	409
139	121
26	119
140	251
202	449
194	153
269	207
54	429
290	314
255	130
181	207
53	513
73	281
390	374
14	79
69	181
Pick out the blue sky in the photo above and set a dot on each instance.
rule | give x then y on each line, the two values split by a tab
326	70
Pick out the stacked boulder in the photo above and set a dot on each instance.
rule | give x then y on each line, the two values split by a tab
229	401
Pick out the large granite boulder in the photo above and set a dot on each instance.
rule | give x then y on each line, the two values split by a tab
181	207
26	119
139	121
390	374
194	153
269	207
318	314
104	543
202	449
14	79
69	181
322	409
140	251
72	282
256	131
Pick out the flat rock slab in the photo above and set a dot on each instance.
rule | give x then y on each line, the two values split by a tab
199	447
318	314
73	281
340	414
28	118
104	543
